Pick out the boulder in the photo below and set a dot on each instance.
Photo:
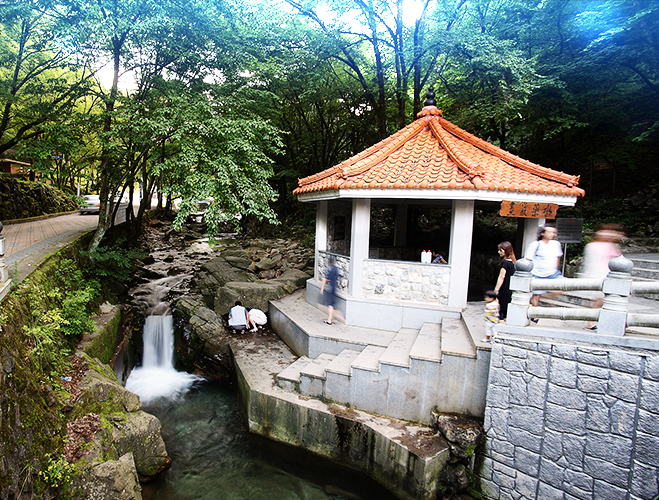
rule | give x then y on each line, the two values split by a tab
101	392
295	276
267	275
139	434
207	340
462	431
111	480
252	295
239	262
209	328
269	262
235	253
214	274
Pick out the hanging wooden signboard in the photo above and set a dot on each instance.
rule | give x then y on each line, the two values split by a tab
528	210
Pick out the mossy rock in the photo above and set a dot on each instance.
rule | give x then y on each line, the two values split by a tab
102	393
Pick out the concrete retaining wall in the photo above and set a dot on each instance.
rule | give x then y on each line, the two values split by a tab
571	420
352	438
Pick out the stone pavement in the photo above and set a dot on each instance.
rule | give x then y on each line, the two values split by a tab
27	243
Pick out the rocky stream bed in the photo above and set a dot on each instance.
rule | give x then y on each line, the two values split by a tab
198	283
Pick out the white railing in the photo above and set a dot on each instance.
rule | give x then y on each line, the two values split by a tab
613	317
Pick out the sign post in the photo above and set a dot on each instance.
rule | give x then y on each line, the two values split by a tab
569	231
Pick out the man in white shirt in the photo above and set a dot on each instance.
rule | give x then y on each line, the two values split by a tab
545	253
239	318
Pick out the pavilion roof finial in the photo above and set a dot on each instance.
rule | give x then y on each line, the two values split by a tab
430	97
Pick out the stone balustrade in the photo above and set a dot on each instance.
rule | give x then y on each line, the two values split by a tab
406	281
613	317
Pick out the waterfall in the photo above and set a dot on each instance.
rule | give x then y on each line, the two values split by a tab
157	378
158	342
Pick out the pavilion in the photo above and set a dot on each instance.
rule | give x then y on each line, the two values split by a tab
431	163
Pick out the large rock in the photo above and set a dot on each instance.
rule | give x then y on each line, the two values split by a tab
216	273
269	263
139	434
111	480
207	339
204	323
101	392
295	276
462	431
239	262
252	295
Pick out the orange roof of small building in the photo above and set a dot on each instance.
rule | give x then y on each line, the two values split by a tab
432	153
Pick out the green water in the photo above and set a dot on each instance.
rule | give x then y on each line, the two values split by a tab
214	457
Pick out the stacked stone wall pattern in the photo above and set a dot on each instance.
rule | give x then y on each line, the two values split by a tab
408	281
571	422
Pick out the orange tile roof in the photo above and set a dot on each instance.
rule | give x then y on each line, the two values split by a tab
433	153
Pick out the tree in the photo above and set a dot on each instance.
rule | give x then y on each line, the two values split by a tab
40	79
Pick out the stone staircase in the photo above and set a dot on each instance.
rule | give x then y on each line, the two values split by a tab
403	374
646	269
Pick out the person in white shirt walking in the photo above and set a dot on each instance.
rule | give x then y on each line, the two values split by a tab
545	253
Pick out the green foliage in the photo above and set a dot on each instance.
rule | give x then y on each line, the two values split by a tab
60	306
115	261
57	471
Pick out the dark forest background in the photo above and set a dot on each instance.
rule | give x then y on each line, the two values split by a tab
236	100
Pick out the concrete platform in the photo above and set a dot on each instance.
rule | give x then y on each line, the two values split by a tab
403	457
400	374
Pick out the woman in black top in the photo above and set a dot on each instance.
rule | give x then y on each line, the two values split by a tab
502	287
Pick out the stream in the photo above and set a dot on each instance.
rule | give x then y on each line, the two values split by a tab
214	457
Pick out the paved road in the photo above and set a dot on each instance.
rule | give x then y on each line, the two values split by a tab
26	244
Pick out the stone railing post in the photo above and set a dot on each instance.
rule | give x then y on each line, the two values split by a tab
520	284
617	288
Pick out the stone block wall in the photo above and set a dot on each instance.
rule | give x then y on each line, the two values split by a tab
571	421
406	281
343	265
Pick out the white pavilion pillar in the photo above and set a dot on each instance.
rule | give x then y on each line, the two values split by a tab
359	238
462	229
321	235
531	227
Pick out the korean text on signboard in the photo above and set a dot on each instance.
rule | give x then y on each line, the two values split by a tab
528	210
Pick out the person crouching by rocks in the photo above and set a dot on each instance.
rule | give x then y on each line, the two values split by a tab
239	319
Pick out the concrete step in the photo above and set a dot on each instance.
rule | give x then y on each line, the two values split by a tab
342	363
368	359
428	343
397	352
301	326
646	273
473	319
457	340
338	376
646	263
289	378
312	376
